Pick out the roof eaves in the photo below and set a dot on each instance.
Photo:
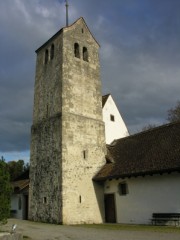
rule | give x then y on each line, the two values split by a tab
50	39
136	174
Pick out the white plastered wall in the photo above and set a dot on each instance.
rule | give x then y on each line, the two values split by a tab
15	198
149	194
113	129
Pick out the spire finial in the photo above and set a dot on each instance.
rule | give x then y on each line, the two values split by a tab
67	13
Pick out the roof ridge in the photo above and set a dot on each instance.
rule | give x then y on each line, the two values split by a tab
108	94
160	126
144	132
61	30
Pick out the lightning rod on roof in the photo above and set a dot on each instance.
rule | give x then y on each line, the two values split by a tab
67	5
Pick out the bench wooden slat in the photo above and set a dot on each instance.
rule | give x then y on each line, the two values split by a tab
166	217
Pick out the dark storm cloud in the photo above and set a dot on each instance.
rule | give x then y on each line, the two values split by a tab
140	63
24	25
140	57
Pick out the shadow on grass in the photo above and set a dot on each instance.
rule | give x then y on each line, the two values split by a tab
128	227
26	237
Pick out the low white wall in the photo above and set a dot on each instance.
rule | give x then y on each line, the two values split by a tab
15	205
149	194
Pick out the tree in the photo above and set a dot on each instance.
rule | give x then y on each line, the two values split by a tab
16	168
174	113
5	191
26	167
148	127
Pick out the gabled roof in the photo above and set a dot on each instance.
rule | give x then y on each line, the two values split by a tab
149	152
82	19
61	30
20	185
104	99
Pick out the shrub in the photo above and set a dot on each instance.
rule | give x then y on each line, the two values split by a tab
5	191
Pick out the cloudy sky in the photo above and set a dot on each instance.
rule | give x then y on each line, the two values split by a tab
140	59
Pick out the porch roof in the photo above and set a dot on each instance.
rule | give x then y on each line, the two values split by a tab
20	185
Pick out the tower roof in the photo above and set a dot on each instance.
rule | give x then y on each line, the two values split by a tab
61	30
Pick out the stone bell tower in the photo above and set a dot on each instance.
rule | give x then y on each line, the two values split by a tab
67	135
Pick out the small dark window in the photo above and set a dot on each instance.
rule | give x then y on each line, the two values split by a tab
123	188
80	198
85	54
84	154
112	118
82	30
47	110
46	56
44	200
19	203
52	51
76	50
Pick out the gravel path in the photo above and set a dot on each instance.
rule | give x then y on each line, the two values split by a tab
43	231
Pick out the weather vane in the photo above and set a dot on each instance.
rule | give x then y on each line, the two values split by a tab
67	13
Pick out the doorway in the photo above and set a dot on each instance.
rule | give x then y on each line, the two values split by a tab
110	210
25	217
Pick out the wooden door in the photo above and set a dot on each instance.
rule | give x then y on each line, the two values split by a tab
110	211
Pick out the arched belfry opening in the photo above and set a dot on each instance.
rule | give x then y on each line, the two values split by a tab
76	50
52	51
85	54
46	56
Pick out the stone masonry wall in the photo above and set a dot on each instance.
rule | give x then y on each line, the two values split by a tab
82	202
83	143
45	202
45	175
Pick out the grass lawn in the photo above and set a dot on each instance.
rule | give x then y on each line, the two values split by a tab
128	227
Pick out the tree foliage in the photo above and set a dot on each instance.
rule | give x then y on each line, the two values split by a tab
16	168
173	116
8	172
148	127
174	113
5	190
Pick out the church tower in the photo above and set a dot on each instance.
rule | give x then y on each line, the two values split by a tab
67	135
